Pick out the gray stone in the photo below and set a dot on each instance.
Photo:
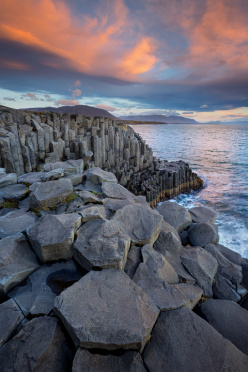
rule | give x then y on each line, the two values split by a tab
192	292
72	207
116	191
200	234
51	193
226	268
91	212
24	204
30	178
140	223
16	221
182	341
202	214
8	179
224	289
130	361
202	266
39	346
87	156
114	311
167	228
176	215
55	174
229	319
242	291
89	186
52	236
89	197
10	318
37	296
114	204
69	166
101	244
97	176
2	171
229	254
14	192
17	261
133	260
76	179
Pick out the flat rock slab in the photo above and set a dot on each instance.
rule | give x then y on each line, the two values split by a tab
17	261
182	341
14	192
39	346
89	197
97	176
224	289
52	236
10	318
76	179
192	292
96	311
8	179
229	319
114	204
176	215
69	166
101	244
16	221
51	193
37	296
52	175
202	266
30	178
202	214
91	212
140	223
116	191
130	361
200	234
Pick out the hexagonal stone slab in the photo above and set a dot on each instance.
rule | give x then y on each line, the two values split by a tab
39	346
16	221
130	361
101	244
10	318
105	309
52	236
142	224
176	215
200	234
97	176
30	178
14	192
17	261
202	214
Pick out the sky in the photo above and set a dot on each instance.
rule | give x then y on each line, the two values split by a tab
172	57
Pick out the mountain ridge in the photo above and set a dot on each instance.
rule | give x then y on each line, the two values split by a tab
160	118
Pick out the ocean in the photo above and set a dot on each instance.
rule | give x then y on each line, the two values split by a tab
218	153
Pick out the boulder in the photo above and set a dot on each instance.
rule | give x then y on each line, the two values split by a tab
39	346
202	266
10	318
230	254
91	212
97	176
105	309
69	166
14	192
244	264
114	204
24	204
87	156
101	244
182	341
192	292
133	260
176	215
202	214
52	236
16	221
167	228
36	296
72	207
224	289
30	178
200	234
51	193
229	319
89	197
76	179
140	223
116	191
54	174
130	361
8	179
17	261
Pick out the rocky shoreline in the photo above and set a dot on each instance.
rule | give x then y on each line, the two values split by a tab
93	279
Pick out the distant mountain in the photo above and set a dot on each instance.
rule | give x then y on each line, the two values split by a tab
78	109
160	118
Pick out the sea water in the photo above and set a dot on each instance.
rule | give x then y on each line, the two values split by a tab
218	153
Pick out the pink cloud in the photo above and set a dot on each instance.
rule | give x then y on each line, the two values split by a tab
31	96
77	83
106	107
76	93
67	102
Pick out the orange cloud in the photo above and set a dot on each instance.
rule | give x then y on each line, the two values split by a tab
13	65
67	102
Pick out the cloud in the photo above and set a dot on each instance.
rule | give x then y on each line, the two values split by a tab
76	92
187	112
31	96
106	107
67	102
204	106
77	83
8	99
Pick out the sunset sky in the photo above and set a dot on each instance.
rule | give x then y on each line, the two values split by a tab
187	57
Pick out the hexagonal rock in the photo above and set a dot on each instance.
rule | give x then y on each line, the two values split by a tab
182	341
30	178
202	214
101	244
52	236
37	296
39	346
8	179
116	191
91	212
192	292
200	234
176	215
17	261
14	192
142	224
107	310
69	166
10	318
16	221
97	176
202	266
51	193
130	361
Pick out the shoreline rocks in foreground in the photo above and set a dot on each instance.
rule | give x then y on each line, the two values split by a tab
92	278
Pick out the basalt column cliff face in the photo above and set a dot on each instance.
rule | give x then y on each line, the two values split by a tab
29	140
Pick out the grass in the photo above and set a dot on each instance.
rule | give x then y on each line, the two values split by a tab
10	204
